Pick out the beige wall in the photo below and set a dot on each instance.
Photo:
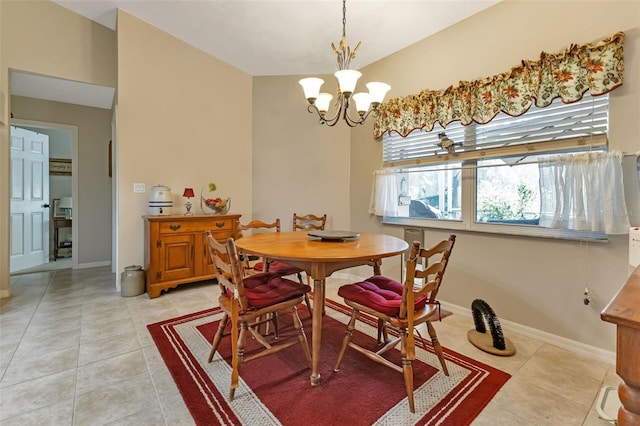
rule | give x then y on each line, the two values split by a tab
44	38
184	119
298	165
538	283
93	216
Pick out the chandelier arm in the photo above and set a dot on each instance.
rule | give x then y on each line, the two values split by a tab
350	121
328	121
345	115
361	119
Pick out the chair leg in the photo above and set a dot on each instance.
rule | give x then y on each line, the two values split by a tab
324	293
302	337
238	362
383	336
241	341
407	370
306	296
436	347
273	318
347	337
218	336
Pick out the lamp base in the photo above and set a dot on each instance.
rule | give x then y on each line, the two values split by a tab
188	207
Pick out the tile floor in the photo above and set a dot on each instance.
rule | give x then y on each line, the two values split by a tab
74	352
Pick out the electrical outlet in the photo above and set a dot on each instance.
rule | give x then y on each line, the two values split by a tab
586	299
139	188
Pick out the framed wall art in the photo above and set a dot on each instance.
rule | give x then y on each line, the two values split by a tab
60	166
57	211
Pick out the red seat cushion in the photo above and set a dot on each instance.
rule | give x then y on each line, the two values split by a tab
379	293
278	267
270	288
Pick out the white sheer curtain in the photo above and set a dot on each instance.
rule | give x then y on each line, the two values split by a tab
384	194
583	192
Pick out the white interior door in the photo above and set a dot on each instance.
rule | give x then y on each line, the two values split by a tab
29	220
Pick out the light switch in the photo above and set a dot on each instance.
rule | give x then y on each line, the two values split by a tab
139	188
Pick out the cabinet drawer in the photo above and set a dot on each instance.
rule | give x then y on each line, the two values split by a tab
180	226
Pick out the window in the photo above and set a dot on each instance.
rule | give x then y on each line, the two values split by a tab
507	192
433	192
488	179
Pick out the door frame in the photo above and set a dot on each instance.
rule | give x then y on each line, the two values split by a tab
17	122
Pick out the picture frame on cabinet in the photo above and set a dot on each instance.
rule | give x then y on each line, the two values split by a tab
57	211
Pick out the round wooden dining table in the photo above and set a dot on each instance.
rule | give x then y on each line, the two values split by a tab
319	258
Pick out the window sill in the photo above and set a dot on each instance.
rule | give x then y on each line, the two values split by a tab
498	228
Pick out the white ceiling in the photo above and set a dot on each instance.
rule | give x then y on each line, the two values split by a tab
287	37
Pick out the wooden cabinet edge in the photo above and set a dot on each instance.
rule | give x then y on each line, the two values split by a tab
624	311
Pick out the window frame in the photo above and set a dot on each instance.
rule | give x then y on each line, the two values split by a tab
468	190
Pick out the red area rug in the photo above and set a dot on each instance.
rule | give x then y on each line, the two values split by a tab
276	390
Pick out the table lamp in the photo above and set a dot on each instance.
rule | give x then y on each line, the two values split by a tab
188	193
66	204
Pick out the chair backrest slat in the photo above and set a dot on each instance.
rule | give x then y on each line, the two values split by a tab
309	221
258	224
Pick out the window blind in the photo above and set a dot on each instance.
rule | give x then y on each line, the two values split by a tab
557	127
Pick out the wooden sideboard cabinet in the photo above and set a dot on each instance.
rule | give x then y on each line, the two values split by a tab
624	311
176	251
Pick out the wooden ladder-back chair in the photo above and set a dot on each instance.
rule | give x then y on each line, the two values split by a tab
245	301
246	259
401	308
263	265
309	222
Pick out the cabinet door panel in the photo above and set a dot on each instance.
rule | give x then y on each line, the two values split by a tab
177	257
209	268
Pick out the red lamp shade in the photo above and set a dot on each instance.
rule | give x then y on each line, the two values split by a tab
188	192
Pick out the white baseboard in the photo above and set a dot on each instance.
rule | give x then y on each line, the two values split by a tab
347	277
552	339
94	264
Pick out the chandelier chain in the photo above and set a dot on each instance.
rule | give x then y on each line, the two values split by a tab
344	18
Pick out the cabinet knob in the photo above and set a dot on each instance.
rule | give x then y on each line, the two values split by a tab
220	224
174	227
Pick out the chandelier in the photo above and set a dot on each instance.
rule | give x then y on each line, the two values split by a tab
365	103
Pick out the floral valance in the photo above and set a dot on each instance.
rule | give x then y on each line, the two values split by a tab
597	67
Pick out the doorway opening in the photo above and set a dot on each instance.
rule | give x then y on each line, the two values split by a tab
62	250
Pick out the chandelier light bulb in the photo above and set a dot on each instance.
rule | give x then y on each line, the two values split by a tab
363	101
377	91
323	101
347	80
311	87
